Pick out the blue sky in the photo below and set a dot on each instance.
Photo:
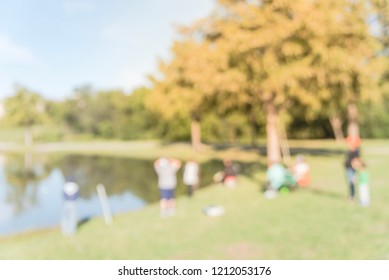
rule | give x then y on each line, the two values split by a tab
53	46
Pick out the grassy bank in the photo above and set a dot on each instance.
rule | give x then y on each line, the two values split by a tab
317	223
151	149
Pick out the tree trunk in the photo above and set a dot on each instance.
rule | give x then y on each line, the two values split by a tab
28	136
353	140
272	139
195	134
336	124
352	114
28	162
254	130
283	138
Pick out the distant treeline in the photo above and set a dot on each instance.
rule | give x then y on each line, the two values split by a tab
122	115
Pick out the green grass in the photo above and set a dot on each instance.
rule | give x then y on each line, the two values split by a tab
316	223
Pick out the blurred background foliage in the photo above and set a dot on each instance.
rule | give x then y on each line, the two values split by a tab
309	59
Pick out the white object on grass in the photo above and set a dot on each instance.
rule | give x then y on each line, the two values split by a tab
214	210
104	203
270	194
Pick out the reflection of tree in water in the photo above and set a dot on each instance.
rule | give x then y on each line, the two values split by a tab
120	175
23	173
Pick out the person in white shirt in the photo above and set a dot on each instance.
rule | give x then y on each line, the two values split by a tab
166	169
191	176
69	220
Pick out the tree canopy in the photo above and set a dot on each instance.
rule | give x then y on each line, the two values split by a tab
272	55
25	108
251	66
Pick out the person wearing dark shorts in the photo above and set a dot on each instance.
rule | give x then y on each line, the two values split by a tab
353	152
167	193
167	181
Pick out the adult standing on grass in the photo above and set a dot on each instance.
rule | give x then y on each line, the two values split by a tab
353	143
166	169
69	215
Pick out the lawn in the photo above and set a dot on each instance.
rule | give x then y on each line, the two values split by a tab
315	223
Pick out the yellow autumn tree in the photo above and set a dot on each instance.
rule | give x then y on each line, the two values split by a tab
316	53
186	85
271	54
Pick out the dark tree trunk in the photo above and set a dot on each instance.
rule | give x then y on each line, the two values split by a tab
195	134
336	124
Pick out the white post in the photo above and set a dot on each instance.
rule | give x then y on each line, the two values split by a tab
104	203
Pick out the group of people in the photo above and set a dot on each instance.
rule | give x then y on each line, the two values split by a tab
166	169
282	179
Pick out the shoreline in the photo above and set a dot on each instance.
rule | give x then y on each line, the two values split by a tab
252	226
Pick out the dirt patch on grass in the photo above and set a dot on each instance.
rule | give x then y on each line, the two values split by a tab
243	250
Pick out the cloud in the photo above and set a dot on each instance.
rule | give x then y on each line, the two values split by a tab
129	79
78	6
11	52
122	33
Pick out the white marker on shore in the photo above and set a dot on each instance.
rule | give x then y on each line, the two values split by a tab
104	203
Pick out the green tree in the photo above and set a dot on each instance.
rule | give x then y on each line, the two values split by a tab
109	113
77	110
97	113
26	109
138	122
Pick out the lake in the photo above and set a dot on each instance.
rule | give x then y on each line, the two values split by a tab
31	187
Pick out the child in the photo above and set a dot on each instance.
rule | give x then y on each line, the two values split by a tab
166	169
300	171
230	173
191	176
71	192
363	182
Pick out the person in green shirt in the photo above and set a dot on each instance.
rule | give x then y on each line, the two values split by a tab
279	178
363	182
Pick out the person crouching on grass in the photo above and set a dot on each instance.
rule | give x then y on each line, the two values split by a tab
166	169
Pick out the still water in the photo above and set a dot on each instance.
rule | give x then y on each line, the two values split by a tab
31	187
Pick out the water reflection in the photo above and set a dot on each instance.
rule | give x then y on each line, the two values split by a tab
31	187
